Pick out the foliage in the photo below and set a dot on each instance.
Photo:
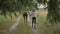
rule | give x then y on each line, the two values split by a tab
42	1
13	5
5	23
53	11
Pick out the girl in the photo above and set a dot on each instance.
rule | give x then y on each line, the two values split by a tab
34	19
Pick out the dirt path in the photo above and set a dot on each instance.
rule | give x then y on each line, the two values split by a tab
36	31
13	27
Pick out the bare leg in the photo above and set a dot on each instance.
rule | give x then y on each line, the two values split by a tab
24	19
34	24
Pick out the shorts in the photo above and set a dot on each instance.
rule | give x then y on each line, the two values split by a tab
25	15
34	20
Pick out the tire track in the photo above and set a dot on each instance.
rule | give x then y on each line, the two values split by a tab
13	27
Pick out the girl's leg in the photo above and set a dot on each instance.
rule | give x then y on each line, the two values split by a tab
34	23
24	17
25	20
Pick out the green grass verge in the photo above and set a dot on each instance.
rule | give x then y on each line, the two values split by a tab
5	23
46	27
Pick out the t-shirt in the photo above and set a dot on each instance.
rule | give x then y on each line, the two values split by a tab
34	14
25	12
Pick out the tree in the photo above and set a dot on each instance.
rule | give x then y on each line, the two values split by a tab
53	11
42	1
13	5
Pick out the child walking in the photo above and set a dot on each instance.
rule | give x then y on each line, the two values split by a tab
34	19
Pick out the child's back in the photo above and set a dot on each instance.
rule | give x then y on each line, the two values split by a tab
34	13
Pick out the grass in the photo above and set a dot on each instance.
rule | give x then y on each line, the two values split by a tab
5	23
45	26
21	29
41	19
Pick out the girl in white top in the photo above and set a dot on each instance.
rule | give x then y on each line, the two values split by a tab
34	19
34	13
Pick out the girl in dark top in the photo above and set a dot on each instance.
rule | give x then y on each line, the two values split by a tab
25	15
